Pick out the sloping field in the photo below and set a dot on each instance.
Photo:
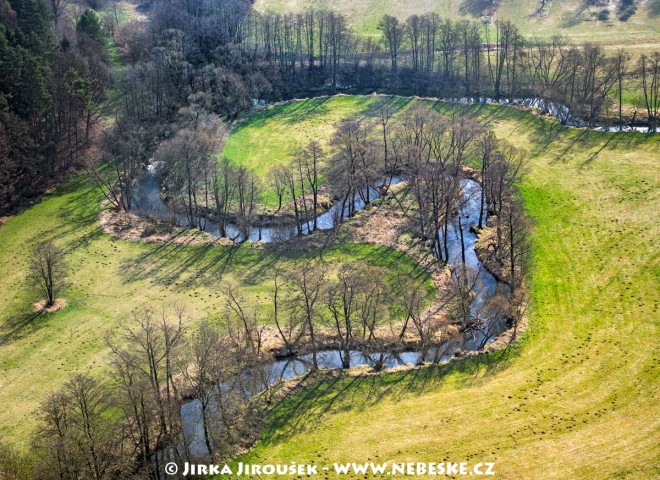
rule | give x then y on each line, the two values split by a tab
272	136
578	396
110	279
577	19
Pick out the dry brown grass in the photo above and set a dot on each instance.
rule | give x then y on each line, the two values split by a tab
42	306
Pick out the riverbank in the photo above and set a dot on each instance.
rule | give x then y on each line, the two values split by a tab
584	377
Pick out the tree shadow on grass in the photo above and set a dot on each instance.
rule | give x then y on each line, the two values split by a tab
573	19
478	8
290	113
258	119
546	134
613	139
167	262
393	103
22	326
81	207
303	110
582	137
333	393
386	257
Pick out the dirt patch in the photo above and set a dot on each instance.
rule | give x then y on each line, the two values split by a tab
130	227
40	306
486	248
4	219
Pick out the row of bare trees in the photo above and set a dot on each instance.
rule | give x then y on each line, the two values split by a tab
458	58
197	184
354	305
202	186
299	182
101	428
432	151
223	55
129	422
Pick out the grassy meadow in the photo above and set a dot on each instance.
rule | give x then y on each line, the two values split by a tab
573	18
110	279
272	136
578	396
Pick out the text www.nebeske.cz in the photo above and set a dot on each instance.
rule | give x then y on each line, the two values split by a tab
385	468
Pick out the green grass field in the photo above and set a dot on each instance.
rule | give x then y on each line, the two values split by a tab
578	396
568	17
272	136
109	280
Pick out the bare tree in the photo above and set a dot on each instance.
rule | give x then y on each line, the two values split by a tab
393	34
278	179
355	165
517	233
464	286
247	195
80	432
291	328
61	456
48	271
308	280
411	296
338	38
504	173
224	192
204	373
125	158
374	296
596	77
312	160
649	66
341	299
190	160
140	408
250	334
413	30
149	346
487	146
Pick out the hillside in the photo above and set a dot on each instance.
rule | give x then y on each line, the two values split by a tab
275	240
577	398
613	22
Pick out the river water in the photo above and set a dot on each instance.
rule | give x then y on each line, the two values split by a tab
461	242
147	201
557	110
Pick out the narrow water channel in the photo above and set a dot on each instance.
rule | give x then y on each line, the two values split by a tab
461	241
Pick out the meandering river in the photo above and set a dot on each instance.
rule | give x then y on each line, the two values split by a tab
461	241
